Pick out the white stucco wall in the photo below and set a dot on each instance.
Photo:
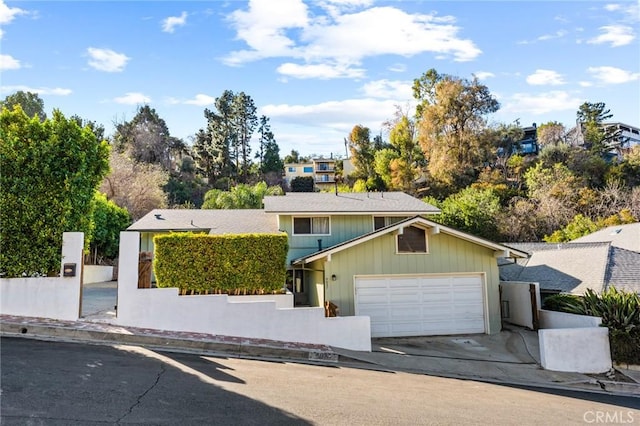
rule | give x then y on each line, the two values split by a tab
47	297
553	319
579	350
97	274
164	309
519	301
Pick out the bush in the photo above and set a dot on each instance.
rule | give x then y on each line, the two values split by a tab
560	301
229	264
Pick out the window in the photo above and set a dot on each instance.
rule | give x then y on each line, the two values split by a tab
382	221
311	226
292	169
412	240
308	169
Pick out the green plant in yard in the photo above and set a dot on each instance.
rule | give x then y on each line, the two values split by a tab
561	302
229	264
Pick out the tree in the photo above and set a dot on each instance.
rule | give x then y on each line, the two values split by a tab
241	196
598	138
50	171
362	152
97	129
453	130
246	120
269	153
109	220
146	139
302	184
472	210
31	104
551	133
137	187
294	157
404	169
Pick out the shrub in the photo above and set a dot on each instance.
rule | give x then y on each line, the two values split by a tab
229	264
560	301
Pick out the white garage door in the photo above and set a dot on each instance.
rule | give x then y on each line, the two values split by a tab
421	305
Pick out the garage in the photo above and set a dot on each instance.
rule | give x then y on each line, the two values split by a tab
421	305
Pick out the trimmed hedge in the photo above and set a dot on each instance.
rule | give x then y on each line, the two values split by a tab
221	264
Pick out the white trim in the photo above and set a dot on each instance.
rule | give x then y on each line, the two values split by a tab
420	221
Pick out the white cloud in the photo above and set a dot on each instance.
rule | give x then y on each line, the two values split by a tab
8	14
320	71
340	37
107	60
398	68
8	62
545	37
201	100
339	116
483	75
388	89
540	103
169	24
133	98
545	78
616	35
55	91
612	75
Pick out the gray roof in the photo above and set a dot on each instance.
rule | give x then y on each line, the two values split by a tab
213	221
573	267
622	236
624	270
347	203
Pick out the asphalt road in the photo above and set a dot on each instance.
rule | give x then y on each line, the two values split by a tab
55	383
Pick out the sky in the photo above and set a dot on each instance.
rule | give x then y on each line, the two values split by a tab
318	68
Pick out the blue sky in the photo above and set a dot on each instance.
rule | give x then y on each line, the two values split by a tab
318	68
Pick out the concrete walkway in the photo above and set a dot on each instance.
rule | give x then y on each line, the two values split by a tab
510	357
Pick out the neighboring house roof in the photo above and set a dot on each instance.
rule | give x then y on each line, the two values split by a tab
412	221
622	236
347	203
565	267
624	270
247	221
597	261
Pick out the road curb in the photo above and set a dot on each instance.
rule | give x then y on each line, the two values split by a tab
242	349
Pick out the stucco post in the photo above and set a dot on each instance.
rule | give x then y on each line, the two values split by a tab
73	252
127	272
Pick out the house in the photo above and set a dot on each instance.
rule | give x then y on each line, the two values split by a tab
608	257
373	254
322	170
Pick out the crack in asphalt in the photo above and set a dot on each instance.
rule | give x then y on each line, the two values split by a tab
139	399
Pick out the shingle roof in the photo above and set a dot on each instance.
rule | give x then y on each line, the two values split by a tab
624	270
213	221
622	236
569	268
347	203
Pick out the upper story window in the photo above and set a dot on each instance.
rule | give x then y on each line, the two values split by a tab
412	240
292	169
318	225
308	169
382	221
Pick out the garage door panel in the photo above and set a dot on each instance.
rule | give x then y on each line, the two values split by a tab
421	305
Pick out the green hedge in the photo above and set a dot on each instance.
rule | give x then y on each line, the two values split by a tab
229	264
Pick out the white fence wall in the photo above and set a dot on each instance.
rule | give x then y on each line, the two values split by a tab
97	274
579	350
47	297
553	319
163	308
518	298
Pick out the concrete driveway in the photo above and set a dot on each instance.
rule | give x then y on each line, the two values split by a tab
99	301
